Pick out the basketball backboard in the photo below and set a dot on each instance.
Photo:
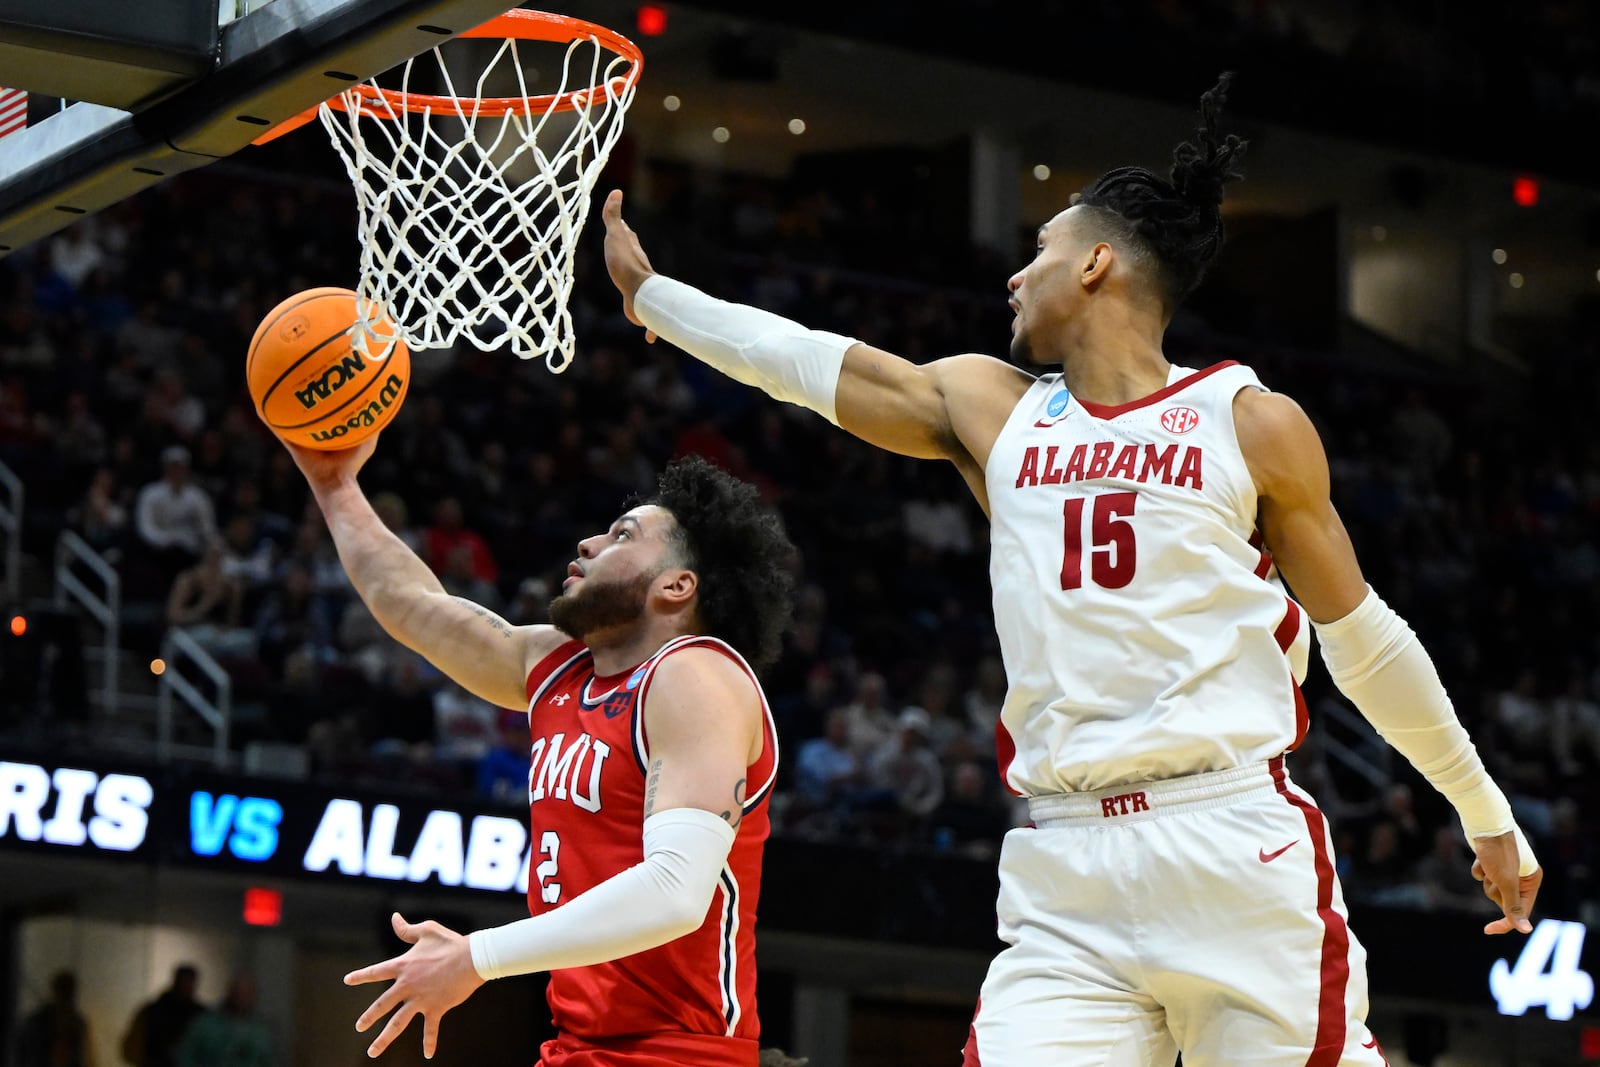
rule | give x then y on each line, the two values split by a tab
194	104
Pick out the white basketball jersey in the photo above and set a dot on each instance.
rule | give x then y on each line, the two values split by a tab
1144	632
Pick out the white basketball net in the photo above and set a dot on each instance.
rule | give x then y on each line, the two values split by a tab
468	224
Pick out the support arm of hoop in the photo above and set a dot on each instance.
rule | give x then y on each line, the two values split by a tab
287	126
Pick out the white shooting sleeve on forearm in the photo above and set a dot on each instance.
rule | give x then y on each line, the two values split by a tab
783	359
1377	661
646	905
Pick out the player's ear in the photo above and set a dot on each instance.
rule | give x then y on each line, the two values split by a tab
1096	264
677	586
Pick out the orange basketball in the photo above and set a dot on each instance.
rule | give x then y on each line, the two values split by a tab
312	385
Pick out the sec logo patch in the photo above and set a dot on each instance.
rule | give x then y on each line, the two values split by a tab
1179	419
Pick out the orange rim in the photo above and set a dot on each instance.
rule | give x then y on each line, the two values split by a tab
517	24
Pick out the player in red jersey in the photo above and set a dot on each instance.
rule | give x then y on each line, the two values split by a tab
642	714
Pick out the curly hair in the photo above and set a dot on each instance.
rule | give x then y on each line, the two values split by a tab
1174	224
738	547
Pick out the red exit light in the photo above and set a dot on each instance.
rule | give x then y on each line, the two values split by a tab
652	20
1525	190
263	907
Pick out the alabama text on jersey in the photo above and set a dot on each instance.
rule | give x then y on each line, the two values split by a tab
1144	631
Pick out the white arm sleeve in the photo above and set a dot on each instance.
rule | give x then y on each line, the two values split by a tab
1377	661
646	905
782	358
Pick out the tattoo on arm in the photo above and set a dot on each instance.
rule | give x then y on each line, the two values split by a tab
735	815
650	788
486	615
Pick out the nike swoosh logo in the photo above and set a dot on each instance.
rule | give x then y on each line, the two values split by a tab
1267	857
1043	425
1370	1044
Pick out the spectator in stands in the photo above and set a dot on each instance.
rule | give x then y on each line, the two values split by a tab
983	701
826	769
503	771
1383	873
460	577
1445	873
155	1030
248	557
872	724
80	439
57	1034
174	517
1575	727
404	724
230	1035
206	602
448	533
100	517
905	766
391	508
464	727
969	820
290	619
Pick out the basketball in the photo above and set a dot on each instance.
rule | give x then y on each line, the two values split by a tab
310	382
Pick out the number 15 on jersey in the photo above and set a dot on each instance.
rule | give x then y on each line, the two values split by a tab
1113	554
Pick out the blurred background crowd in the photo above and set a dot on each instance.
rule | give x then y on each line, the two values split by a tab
1473	502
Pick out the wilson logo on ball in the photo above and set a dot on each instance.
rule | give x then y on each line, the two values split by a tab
1179	420
332	379
366	417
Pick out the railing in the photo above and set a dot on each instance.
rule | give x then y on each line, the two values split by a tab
218	713
104	607
1374	771
11	502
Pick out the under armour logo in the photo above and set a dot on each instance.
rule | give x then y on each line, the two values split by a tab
560	698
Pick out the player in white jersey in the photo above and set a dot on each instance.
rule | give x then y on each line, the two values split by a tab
1175	891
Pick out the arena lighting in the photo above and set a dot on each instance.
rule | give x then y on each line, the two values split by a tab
19	625
1525	190
652	20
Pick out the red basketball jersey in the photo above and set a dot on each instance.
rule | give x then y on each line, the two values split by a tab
586	792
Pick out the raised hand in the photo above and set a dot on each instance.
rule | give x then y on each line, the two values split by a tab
327	469
431	977
625	259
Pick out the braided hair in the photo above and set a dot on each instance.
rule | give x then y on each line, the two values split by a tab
1174	225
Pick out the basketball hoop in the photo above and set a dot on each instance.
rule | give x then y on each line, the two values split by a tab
468	225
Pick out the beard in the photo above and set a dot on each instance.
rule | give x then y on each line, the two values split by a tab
600	605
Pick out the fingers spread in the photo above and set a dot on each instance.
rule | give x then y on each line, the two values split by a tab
385	1003
378	972
397	1026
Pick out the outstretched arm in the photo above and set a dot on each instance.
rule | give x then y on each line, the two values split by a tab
941	410
469	643
1374	657
703	721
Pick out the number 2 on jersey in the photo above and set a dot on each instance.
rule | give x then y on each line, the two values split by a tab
1112	553
549	889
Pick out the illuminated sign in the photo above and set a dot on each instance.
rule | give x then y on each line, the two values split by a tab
248	826
74	808
1547	974
481	852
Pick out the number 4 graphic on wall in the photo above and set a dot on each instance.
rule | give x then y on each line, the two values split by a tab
1546	973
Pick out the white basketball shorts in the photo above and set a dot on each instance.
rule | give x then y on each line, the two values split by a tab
1199	914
